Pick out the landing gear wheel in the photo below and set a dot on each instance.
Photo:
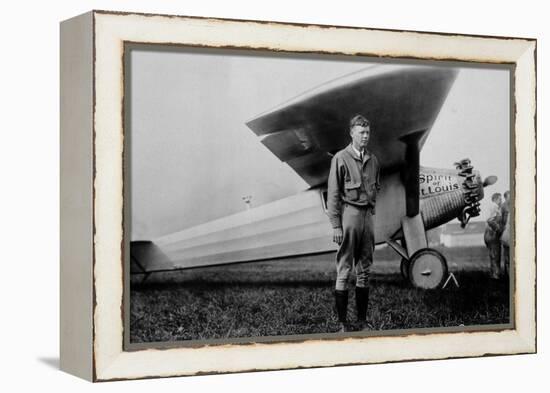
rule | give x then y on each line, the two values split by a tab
428	269
405	269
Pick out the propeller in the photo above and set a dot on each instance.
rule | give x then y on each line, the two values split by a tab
471	193
489	181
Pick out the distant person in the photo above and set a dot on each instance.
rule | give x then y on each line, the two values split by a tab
352	187
493	231
505	237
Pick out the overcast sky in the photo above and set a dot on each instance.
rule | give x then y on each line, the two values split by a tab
193	157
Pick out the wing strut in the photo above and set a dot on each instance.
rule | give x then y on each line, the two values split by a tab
411	170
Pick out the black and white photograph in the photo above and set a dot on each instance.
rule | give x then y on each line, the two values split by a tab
281	196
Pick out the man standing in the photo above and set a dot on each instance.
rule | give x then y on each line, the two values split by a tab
493	230
352	186
505	238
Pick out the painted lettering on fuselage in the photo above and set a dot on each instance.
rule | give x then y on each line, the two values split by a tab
432	183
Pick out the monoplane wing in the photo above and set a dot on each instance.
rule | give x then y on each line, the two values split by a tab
398	100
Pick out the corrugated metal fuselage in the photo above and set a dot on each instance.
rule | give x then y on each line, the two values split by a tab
296	225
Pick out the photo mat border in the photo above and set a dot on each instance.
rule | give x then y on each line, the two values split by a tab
178	48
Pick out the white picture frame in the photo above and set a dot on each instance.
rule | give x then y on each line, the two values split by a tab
93	194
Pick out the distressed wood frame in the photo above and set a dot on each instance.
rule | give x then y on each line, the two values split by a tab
92	194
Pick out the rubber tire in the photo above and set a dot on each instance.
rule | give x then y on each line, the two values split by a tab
418	257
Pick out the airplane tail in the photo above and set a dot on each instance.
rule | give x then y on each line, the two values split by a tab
147	257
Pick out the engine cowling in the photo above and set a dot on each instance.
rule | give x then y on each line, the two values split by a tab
446	195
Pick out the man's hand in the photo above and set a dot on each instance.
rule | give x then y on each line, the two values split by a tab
338	236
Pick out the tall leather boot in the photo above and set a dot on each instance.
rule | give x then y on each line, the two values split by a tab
362	303
341	301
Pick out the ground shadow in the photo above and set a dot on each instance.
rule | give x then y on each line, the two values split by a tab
52	362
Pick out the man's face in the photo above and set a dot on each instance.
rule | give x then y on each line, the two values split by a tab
499	201
360	136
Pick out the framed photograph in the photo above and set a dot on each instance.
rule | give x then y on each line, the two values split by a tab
247	195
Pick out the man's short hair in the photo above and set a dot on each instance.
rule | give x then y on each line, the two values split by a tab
495	196
506	194
358	120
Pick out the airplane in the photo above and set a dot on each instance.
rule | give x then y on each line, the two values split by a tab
402	104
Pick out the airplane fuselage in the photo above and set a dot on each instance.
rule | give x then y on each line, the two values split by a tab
298	225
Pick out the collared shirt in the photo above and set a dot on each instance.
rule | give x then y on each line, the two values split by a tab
359	153
363	155
351	181
494	218
494	211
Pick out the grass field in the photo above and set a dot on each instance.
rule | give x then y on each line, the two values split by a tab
295	296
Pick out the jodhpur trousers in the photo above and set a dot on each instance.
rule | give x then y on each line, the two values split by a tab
357	247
